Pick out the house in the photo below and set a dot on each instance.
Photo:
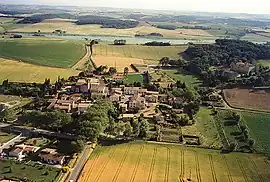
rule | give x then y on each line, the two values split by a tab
117	78
136	102
50	156
131	90
151	98
16	152
127	117
241	67
21	150
116	90
229	74
123	107
115	98
83	106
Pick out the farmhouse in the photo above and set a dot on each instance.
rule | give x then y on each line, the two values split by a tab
50	156
21	150
241	67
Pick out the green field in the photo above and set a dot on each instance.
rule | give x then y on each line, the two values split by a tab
206	127
4	137
139	51
131	78
264	62
139	161
24	72
47	52
32	172
178	75
259	126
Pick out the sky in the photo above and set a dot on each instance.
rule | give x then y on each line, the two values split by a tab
231	6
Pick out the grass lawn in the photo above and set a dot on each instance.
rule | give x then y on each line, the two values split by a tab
264	62
140	161
48	52
182	76
206	127
4	137
39	142
259	127
10	169
24	72
131	78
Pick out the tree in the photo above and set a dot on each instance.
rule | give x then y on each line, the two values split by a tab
251	142
144	128
128	129
77	146
191	109
112	71
164	61
126	70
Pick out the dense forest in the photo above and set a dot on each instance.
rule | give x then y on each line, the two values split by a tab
106	22
155	43
224	52
40	17
209	61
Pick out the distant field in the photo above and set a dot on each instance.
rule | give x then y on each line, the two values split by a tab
5	137
118	62
153	162
70	27
23	72
264	62
139	51
48	52
245	98
259	126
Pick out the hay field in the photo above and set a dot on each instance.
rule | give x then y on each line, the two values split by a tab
23	72
247	98
118	62
153	162
42	51
70	27
150	54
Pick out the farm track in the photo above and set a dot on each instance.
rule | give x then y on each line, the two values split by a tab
182	166
214	176
137	164
255	168
242	169
104	165
92	166
167	171
150	174
198	174
121	164
227	168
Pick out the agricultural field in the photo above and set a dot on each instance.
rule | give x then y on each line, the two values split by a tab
247	98
154	53
12	101
131	78
264	62
70	27
24	72
258	124
118	62
40	51
31	172
155	162
5	137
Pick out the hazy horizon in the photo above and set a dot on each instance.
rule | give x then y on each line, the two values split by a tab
226	6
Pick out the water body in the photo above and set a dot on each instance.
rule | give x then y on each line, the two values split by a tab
130	40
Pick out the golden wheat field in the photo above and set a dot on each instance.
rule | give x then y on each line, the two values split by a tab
24	72
154	162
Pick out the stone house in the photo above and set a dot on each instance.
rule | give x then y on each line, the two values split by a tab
241	67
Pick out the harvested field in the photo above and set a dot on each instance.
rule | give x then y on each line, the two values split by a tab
23	72
154	53
155	162
70	27
247	98
119	62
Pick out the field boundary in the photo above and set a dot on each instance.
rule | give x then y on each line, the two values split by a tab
83	60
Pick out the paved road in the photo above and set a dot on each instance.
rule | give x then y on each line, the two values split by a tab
80	163
80	64
29	130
